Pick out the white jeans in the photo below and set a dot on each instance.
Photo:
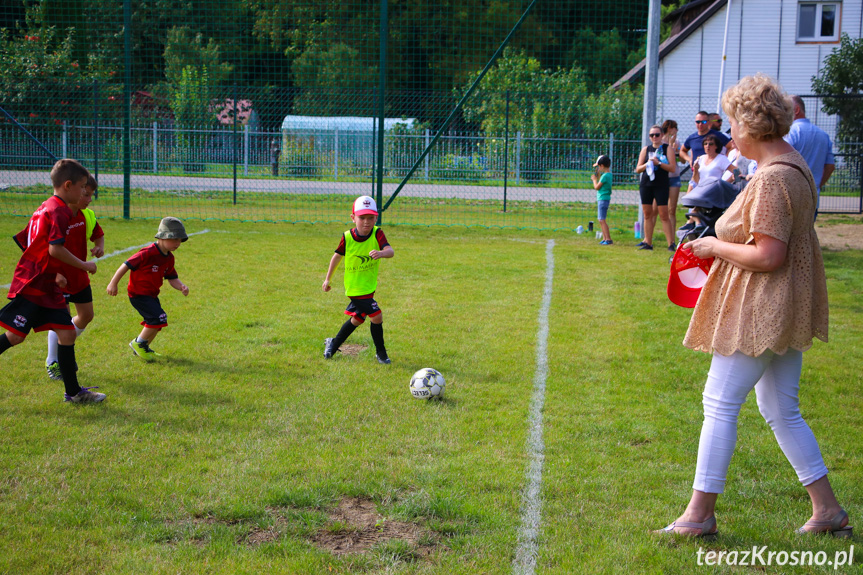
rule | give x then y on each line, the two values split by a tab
776	379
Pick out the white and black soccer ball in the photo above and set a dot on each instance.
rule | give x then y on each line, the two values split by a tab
427	383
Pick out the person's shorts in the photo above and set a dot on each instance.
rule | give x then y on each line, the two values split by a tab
21	315
363	308
151	310
83	296
674	182
650	193
602	209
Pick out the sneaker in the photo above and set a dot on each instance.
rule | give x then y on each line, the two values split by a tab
54	371
606	242
328	350
672	248
143	350
85	396
646	247
384	360
639	244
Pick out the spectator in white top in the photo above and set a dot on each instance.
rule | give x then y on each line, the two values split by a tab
711	164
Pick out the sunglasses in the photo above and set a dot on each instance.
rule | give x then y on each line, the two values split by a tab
654	135
701	121
709	144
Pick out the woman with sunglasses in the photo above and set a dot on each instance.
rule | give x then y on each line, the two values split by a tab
711	164
655	162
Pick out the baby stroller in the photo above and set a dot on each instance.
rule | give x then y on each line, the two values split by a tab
706	202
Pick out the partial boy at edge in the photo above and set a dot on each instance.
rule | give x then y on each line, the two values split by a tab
362	247
602	179
73	282
37	300
150	267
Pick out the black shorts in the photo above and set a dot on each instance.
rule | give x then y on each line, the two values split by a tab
21	315
151	310
649	193
83	296
363	308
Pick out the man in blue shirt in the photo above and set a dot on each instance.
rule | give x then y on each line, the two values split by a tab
813	143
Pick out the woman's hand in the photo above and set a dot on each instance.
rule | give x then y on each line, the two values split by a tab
703	247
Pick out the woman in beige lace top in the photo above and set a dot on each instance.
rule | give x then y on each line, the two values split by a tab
764	301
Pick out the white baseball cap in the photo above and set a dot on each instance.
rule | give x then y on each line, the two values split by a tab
365	205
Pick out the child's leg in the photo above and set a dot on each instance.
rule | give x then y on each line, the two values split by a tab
148	334
66	359
84	316
606	233
9	339
344	333
377	330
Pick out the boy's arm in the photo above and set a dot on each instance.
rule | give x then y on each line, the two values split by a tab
179	286
334	261
387	252
98	249
59	252
112	285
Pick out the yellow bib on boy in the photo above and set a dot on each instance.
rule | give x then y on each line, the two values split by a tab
361	270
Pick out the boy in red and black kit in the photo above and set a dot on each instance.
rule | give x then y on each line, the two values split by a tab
37	300
74	282
150	267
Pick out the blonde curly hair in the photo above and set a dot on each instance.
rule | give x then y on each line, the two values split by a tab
760	107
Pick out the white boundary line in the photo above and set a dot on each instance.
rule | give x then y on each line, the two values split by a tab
531	510
123	251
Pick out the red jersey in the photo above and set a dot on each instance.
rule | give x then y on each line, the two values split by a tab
36	273
149	268
76	242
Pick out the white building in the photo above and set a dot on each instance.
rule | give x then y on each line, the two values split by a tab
786	39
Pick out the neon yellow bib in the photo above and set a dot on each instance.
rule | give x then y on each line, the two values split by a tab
361	271
90	219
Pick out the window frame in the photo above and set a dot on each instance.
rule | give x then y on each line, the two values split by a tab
819	38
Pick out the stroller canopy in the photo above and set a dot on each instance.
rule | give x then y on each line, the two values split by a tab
710	193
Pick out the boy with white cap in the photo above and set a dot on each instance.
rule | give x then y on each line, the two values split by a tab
150	267
362	247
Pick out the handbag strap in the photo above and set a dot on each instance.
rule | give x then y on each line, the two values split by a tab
812	189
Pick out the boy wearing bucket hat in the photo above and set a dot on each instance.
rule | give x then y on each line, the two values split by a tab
150	267
362	247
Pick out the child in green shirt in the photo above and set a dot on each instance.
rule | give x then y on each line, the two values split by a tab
601	179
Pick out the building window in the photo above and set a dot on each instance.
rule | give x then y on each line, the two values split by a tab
818	21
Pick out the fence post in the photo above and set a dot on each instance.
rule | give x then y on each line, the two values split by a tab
336	154
427	155
517	157
611	147
246	150
65	153
96	132
155	147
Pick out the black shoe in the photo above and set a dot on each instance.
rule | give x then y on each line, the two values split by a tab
639	244
384	360
646	247
672	248
328	348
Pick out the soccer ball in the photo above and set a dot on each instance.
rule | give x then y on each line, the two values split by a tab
427	383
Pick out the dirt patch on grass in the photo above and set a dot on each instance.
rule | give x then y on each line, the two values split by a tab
352	349
356	526
840	237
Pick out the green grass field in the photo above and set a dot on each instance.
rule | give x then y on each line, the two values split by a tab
234	453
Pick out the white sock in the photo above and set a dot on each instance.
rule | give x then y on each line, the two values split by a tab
78	330
52	348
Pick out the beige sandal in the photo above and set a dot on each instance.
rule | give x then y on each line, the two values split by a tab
707	529
832	527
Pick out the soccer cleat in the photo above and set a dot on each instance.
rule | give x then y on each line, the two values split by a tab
85	396
54	371
328	348
384	360
143	350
